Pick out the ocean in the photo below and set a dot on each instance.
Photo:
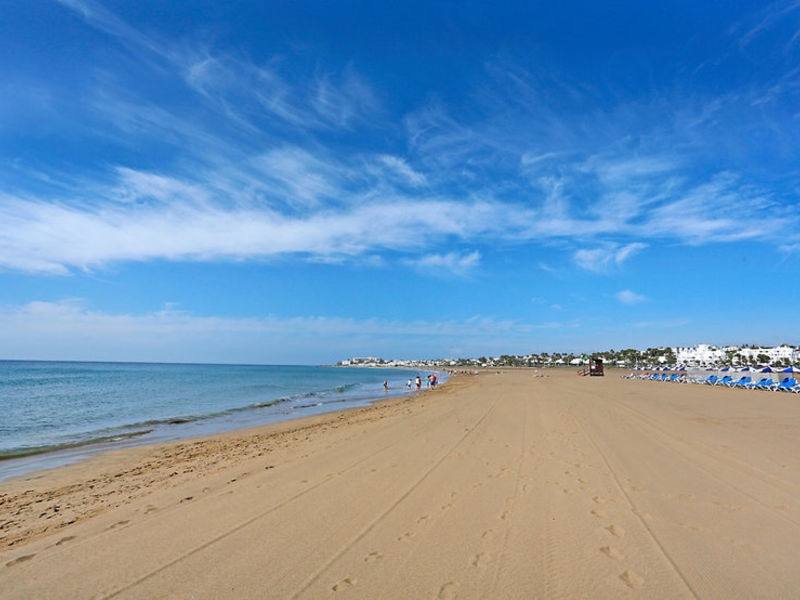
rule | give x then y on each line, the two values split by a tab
54	413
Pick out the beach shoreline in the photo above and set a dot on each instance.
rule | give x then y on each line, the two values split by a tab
504	485
82	409
51	487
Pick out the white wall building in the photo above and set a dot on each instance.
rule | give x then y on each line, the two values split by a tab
779	354
704	354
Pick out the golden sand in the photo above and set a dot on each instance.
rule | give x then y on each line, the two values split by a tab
496	486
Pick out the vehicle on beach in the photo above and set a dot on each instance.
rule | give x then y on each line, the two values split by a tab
596	367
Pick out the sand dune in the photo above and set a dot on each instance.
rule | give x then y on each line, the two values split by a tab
500	486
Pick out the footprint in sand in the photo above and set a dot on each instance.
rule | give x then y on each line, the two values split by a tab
611	552
616	530
422	519
119	524
480	560
373	556
344	584
568	492
747	546
447	591
150	508
487	534
602	500
729	507
64	540
684	497
11	563
690	527
631	579
599	514
406	536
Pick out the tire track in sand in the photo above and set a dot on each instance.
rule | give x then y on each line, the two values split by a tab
321	570
253	519
629	578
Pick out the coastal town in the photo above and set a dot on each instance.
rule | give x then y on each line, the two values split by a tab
699	355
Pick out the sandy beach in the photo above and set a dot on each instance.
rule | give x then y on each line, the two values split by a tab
496	486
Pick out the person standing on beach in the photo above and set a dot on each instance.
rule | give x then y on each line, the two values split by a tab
408	385
419	383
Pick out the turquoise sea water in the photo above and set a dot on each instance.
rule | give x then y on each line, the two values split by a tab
57	412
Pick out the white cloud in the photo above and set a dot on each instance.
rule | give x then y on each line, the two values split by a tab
254	177
70	330
629	297
606	258
450	263
624	170
546	268
400	167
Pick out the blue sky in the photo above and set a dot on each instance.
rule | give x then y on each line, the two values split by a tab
298	182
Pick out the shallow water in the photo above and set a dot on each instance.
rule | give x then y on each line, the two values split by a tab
56	412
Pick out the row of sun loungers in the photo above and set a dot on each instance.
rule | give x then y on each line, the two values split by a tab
787	384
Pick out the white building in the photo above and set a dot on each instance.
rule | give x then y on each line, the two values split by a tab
779	354
703	354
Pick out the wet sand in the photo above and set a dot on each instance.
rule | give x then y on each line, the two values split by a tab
496	486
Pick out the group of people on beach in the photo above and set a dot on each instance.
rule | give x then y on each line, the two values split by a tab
431	382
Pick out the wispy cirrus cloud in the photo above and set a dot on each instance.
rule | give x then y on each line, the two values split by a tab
604	259
255	169
240	90
451	263
629	297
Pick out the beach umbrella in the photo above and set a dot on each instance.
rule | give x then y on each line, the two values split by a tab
746	369
766	370
726	369
791	370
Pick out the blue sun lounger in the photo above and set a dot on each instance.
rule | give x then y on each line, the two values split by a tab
764	384
740	382
757	384
785	386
